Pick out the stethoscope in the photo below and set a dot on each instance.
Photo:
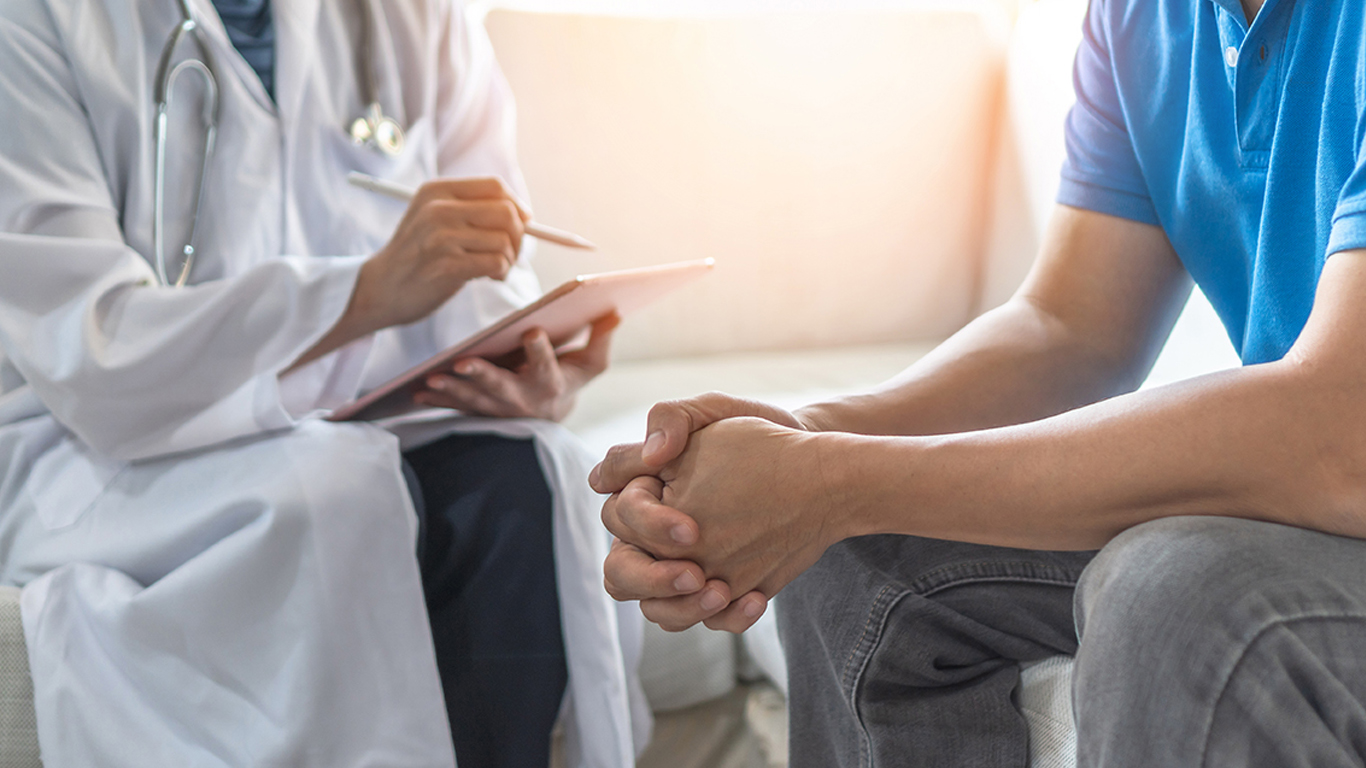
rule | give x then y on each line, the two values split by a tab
372	129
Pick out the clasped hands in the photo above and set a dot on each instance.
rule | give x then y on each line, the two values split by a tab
723	504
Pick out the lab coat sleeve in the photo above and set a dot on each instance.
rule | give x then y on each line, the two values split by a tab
134	370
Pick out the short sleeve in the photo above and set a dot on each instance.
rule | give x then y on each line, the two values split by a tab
1101	171
1349	218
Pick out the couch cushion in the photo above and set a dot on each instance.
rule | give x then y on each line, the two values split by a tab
18	723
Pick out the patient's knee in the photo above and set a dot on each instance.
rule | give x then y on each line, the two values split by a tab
1187	582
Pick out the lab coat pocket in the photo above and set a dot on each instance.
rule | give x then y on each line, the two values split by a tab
67	480
367	218
412	166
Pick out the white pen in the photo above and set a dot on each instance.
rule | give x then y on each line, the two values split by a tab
405	193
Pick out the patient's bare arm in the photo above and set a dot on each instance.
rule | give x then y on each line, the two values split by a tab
1279	442
1086	325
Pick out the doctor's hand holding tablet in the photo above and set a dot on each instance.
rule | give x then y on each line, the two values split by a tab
456	230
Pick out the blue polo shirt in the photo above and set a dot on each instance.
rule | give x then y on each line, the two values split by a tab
1246	144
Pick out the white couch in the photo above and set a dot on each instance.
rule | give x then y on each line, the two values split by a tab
869	175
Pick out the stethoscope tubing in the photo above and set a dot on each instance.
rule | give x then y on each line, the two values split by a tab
373	128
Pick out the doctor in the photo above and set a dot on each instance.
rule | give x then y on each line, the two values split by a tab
211	576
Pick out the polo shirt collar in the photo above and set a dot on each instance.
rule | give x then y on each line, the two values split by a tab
1235	9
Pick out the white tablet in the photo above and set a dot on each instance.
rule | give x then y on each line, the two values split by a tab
564	313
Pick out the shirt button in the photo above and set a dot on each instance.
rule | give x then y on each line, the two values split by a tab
1231	56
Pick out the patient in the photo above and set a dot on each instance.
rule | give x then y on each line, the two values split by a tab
1011	497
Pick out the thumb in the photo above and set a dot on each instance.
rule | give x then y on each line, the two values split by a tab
593	359
540	355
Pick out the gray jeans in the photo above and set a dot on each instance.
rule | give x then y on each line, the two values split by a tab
1204	642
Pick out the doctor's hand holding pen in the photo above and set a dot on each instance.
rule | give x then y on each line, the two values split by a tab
456	230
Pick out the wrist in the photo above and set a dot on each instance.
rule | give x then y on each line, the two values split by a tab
872	484
364	312
836	484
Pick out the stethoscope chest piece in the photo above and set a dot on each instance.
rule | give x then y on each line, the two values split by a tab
375	130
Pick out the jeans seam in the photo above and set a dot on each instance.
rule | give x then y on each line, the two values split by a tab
1275	623
857	650
881	609
1021	571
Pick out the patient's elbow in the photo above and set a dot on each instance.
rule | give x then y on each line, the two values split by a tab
1328	409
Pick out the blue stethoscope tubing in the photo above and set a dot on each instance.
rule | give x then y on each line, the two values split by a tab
372	129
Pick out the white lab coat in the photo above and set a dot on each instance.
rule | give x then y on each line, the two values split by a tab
212	577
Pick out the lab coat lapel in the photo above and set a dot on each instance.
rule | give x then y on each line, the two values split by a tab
296	38
226	56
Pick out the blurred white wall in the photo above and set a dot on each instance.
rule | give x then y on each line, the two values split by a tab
834	158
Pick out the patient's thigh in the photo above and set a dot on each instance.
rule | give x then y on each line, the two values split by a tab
897	646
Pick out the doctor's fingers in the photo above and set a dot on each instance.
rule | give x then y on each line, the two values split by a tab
483	188
464	226
637	516
463	393
587	363
541	364
630	573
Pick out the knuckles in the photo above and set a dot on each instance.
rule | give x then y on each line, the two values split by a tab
612	591
613	464
500	268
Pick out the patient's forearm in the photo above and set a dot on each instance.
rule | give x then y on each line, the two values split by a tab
1086	325
1271	442
1281	442
1012	365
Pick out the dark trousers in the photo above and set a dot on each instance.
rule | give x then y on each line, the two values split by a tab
488	571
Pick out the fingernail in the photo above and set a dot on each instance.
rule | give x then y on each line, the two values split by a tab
653	443
712	600
594	475
753	609
436	382
681	534
686	583
464	369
